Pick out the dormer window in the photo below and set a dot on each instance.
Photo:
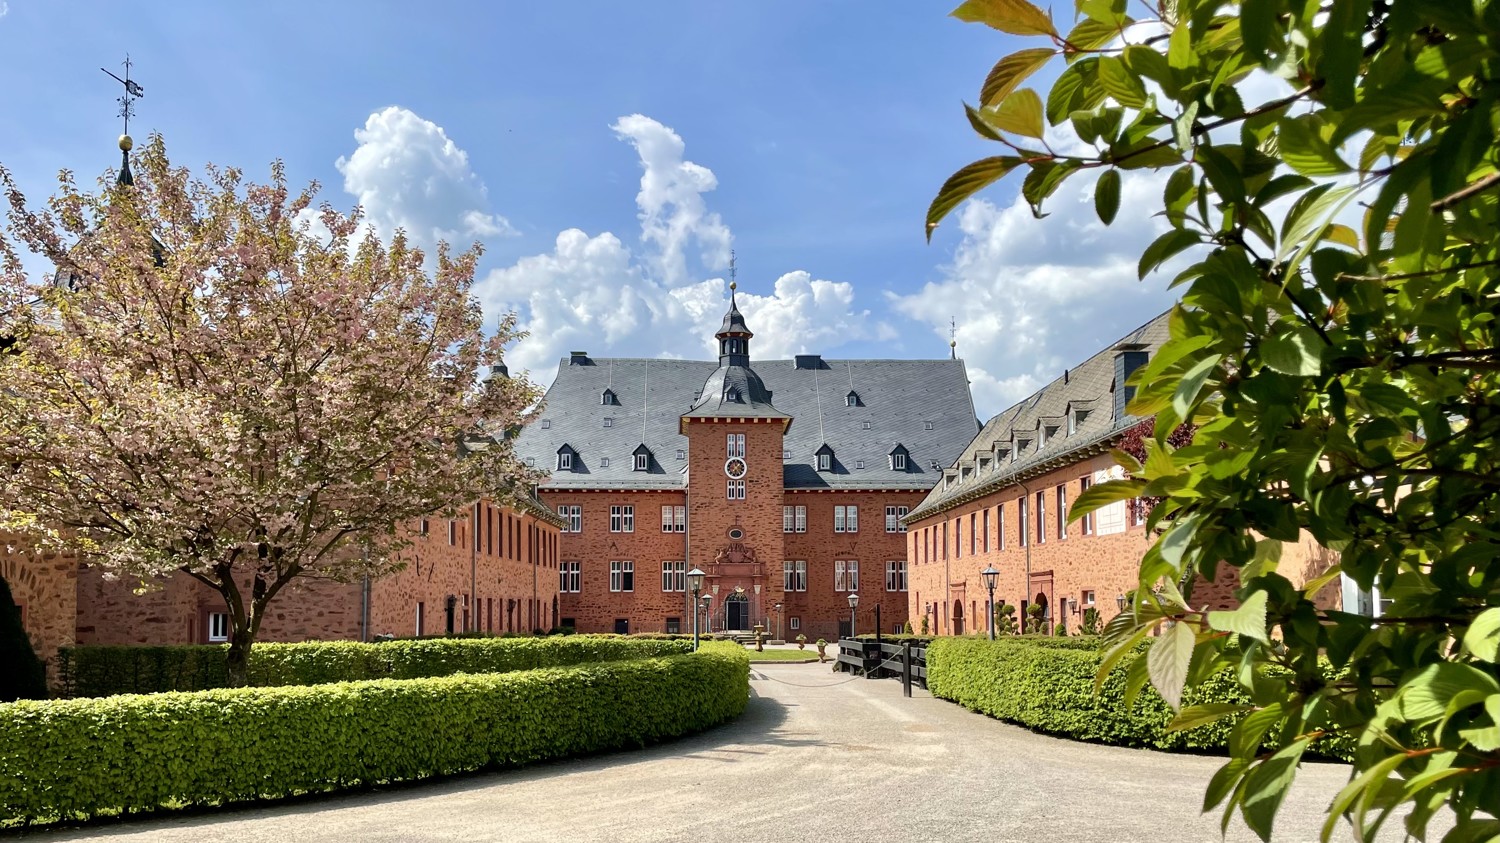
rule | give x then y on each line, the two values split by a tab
898	457
565	456
852	399
642	458
607	398
732	394
825	458
1076	420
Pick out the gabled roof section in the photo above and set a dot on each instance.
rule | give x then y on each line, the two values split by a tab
1014	436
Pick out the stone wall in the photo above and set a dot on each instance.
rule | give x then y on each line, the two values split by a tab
44	586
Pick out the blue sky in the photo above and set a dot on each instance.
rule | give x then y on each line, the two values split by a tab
610	154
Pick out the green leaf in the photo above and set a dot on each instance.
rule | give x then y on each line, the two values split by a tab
1044	179
1310	216
1164	247
1266	786
1482	640
1104	494
1432	691
1107	196
1248	620
1120	83
1077	89
1092	34
1473	831
1305	151
980	121
1168	661
1191	384
1296	352
1020	113
1201	715
1012	71
965	183
1017	17
1246	737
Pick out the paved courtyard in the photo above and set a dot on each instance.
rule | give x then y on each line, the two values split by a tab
816	757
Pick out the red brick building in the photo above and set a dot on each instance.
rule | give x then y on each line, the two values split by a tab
784	481
1004	503
494	570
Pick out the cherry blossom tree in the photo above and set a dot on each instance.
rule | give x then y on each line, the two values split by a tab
225	380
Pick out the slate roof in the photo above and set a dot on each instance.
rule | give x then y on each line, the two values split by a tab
1010	446
899	398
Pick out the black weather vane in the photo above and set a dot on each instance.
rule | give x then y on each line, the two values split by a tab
133	92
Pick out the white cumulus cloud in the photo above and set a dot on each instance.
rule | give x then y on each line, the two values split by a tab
667	296
407	173
1031	297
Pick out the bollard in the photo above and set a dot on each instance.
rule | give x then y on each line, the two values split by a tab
906	669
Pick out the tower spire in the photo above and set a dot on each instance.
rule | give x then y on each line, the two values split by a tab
733	284
133	92
952	339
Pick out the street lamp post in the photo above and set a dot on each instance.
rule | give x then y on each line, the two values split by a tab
853	611
695	584
708	626
778	621
990	576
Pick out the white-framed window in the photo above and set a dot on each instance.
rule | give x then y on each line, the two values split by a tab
846	519
794	623
421	610
1000	526
622	575
825	462
788	519
846	575
622	519
569	579
1041	517
604	462
895	575
1088	599
736	490
609	422
973	533
794	575
673	576
893	516
898	462
1088	520
681	454
984	522
572	518
452	532
674	519
958	538
546	424
859	463
218	626
864	425
642	462
1062	512
927	425
735	445
786	455
1023	528
565	461
801	519
531	462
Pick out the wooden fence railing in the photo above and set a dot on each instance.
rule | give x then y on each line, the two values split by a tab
877	659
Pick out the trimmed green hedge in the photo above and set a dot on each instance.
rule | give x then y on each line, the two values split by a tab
1047	684
87	757
101	671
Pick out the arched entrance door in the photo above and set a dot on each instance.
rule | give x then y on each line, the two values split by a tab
737	613
1041	600
958	617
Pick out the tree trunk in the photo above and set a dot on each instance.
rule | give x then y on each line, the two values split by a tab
238	660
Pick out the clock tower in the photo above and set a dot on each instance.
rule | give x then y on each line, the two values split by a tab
735	488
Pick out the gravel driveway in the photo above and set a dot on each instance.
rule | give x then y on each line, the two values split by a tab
816	757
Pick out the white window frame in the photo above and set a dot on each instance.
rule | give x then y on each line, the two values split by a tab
421	607
1041	517
846	575
1062	512
734	490
895	575
801	519
1023	520
735	445
679	517
609	422
621	575
788	519
794	575
666	518
452	532
221	621
622	518
673	576
642	462
851	519
1087	527
999	526
570	577
604	462
838	519
565	461
825	462
794	623
892	520
984	522
898	462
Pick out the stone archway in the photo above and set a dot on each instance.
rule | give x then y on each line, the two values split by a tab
958	617
737	613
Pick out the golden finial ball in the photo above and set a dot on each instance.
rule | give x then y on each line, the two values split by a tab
126	143
953	343
733	286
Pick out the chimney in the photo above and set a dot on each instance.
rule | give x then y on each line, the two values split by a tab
1128	358
810	361
499	370
578	358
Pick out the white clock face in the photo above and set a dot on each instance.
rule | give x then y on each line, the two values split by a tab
734	467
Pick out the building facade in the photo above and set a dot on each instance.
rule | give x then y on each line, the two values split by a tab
494	569
784	481
1004	504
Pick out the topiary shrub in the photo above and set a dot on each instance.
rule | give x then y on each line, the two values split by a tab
23	676
82	758
1005	619
98	671
1047	684
1090	621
